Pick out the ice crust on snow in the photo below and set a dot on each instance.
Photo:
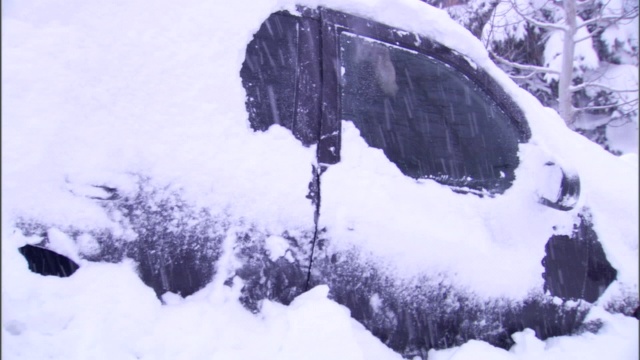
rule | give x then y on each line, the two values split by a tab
94	92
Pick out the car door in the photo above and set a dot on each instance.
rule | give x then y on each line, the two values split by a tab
419	149
418	170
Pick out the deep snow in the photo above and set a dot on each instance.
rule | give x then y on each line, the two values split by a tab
96	91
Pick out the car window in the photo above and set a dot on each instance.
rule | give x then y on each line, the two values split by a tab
430	120
281	75
269	73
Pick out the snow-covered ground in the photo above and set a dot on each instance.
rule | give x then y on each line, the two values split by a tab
105	312
96	91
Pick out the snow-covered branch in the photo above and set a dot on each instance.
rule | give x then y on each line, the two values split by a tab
604	107
590	84
590	36
524	77
610	19
533	68
584	2
533	21
596	48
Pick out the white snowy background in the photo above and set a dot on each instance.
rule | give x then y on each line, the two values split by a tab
93	91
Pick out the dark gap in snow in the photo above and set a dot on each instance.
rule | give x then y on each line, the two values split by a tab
174	244
270	68
111	193
576	266
47	262
263	277
292	84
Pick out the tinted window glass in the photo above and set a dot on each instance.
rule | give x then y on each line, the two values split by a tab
429	119
269	73
281	74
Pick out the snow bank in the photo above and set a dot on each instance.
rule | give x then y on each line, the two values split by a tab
616	340
104	311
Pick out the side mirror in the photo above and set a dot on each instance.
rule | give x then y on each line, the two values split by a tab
563	191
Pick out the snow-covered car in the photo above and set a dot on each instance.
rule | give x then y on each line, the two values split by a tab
373	148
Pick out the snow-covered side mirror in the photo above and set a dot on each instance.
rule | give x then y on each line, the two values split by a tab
562	191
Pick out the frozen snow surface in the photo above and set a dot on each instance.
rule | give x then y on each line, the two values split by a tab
109	92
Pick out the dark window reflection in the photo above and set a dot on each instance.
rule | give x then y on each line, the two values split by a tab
269	73
428	118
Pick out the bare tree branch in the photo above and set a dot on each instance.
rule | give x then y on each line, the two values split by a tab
624	122
590	36
605	87
529	16
610	19
534	68
602	28
584	2
524	77
540	24
603	107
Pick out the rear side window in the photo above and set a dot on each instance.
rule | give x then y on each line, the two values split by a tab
281	74
430	119
269	73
